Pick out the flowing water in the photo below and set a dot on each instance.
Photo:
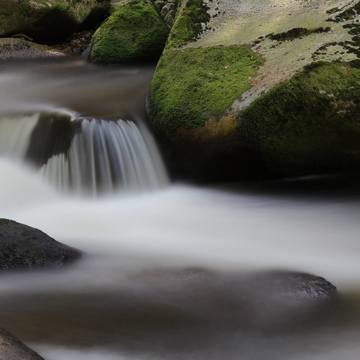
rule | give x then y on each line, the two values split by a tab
78	162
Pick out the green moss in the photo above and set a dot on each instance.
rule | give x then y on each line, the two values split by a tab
310	122
134	32
189	23
193	84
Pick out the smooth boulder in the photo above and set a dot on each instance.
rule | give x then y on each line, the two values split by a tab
25	248
135	32
267	300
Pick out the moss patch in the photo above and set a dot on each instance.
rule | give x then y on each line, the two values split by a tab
189	24
310	122
134	32
194	85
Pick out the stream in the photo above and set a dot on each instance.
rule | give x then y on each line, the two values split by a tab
78	162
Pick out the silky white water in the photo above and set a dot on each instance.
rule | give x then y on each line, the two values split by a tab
195	226
107	155
126	230
103	155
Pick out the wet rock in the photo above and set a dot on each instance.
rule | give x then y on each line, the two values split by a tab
25	248
267	300
16	48
282	298
13	349
167	307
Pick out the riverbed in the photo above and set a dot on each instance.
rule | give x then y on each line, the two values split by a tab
118	302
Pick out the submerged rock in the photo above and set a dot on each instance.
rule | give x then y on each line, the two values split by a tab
135	32
274	300
166	307
222	117
25	248
50	21
13	349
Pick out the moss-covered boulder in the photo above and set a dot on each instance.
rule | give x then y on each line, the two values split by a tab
135	32
310	123
194	87
233	72
50	21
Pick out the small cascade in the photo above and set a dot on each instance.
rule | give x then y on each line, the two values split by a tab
85	155
105	156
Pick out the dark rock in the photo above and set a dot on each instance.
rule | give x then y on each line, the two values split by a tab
13	349
51	21
57	130
23	247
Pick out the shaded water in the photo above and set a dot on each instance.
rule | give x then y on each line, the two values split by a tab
124	300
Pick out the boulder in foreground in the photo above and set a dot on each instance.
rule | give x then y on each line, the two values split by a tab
23	247
13	349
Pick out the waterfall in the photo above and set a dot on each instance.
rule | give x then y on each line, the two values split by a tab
15	134
105	155
101	156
